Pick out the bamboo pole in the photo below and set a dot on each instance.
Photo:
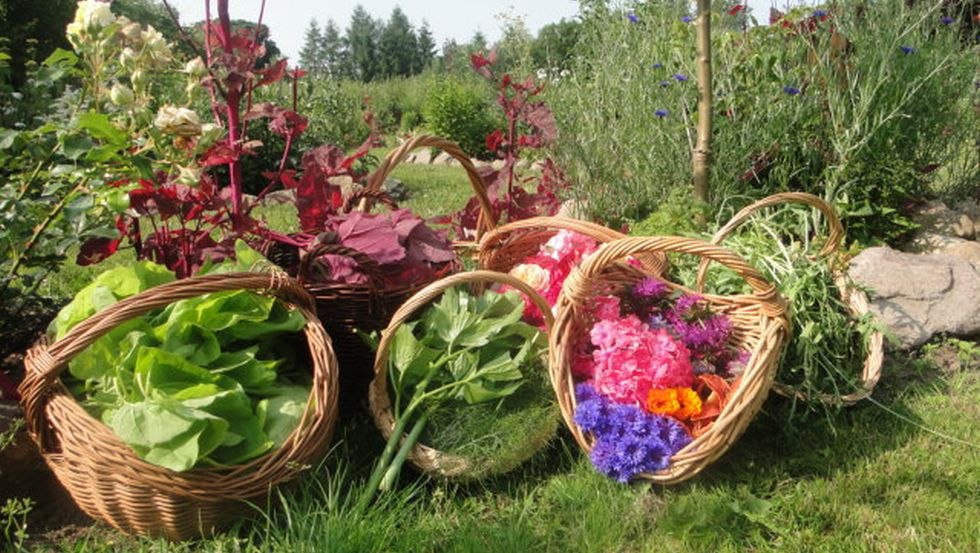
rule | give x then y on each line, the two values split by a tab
701	158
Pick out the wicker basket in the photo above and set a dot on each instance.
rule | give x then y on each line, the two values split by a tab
760	327
112	484
853	297
423	457
509	245
487	219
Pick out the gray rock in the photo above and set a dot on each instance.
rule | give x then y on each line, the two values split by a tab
936	218
927	242
280	197
395	189
423	156
917	296
444	159
497	164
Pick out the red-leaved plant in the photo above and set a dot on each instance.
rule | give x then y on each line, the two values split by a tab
530	125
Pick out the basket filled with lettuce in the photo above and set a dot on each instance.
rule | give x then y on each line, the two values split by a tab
460	387
166	406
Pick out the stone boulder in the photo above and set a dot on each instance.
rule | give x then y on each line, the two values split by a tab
936	218
917	296
395	189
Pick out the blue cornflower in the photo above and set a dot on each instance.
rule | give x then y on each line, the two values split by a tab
907	49
791	90
633	17
687	19
658	65
679	77
947	20
661	113
819	13
664	84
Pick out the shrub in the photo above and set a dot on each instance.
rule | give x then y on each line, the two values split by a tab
461	112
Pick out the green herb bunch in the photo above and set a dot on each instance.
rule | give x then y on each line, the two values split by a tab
468	374
197	383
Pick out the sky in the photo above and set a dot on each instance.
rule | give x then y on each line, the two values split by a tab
453	19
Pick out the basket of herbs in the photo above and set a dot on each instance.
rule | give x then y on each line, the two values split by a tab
654	380
166	407
836	353
461	387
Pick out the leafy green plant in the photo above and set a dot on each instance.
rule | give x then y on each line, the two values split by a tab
463	351
197	382
460	112
13	519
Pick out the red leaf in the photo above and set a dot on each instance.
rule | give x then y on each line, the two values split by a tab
219	154
272	74
735	9
96	249
543	121
495	140
373	235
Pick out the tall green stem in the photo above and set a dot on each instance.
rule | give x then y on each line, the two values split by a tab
701	158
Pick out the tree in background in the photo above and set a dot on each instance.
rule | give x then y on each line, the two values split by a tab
397	47
311	56
333	52
425	48
555	44
362	44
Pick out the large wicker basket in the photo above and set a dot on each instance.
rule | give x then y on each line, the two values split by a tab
112	484
424	457
760	327
853	297
508	245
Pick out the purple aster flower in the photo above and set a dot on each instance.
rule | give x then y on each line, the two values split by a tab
947	20
650	287
632	17
661	113
687	19
684	304
907	49
791	90
679	77
664	84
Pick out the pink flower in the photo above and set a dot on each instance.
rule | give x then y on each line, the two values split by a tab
605	308
631	359
569	245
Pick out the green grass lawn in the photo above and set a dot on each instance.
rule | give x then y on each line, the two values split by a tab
897	474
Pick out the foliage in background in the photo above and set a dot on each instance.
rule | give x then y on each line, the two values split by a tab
856	106
459	110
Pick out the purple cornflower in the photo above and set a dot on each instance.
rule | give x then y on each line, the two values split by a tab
650	287
679	77
819	13
687	19
791	90
664	84
658	65
947	20
633	17
907	49
628	440
661	113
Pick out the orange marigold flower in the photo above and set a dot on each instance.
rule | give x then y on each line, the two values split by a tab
663	401
690	403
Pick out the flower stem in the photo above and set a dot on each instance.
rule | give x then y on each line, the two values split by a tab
410	440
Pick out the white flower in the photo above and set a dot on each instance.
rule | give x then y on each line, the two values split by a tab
195	67
178	121
210	133
121	95
127	58
90	15
155	46
139	79
535	276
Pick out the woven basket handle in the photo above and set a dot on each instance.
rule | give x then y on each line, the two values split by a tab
364	262
47	362
496	237
578	286
487	219
371	196
834	239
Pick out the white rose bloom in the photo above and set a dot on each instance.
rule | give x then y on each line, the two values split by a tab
178	121
535	276
121	95
92	16
155	45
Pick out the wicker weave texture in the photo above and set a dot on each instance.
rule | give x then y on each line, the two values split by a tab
760	327
853	297
112	484
424	457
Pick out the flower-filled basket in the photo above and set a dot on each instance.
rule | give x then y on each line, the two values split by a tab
486	219
854	299
514	243
460	386
120	466
653	380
